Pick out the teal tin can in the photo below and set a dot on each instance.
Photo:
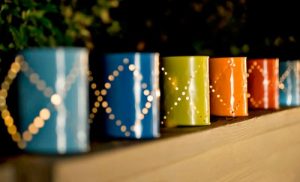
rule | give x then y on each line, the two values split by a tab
289	83
53	96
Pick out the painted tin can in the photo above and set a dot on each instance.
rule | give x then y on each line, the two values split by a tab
289	83
228	86
185	93
263	82
53	93
129	95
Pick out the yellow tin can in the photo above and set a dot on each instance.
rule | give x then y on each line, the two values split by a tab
185	91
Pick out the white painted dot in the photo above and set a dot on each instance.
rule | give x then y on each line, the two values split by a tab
45	114
56	99
150	98
144	86
125	60
120	68
131	67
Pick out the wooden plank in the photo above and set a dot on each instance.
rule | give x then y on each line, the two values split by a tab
175	156
33	168
267	157
7	173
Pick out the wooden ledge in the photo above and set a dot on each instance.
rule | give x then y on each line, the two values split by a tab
264	146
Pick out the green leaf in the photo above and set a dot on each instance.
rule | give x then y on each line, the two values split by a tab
4	7
51	8
46	23
67	11
30	4
85	33
11	45
36	14
2	47
245	48
114	28
82	19
17	37
234	50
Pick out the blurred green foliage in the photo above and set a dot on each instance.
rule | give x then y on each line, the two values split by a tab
178	27
207	27
27	23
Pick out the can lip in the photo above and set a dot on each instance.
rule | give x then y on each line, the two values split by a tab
229	57
126	53
35	50
288	60
266	58
54	48
186	56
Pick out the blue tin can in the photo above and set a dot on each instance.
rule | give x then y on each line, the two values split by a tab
53	96
289	83
128	94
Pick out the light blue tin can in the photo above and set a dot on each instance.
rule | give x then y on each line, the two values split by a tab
53	94
289	83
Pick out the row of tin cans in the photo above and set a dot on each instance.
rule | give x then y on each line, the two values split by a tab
133	94
195	87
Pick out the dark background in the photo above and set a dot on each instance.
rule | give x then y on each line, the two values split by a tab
252	28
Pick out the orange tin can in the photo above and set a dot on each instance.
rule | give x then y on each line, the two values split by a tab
263	83
228	86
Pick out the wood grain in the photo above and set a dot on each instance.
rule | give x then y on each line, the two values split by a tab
207	155
7	173
262	147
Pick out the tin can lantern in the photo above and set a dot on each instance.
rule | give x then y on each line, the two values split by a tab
185	96
53	96
289	83
263	82
228	86
128	94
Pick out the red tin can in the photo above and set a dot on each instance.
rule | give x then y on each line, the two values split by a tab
263	83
